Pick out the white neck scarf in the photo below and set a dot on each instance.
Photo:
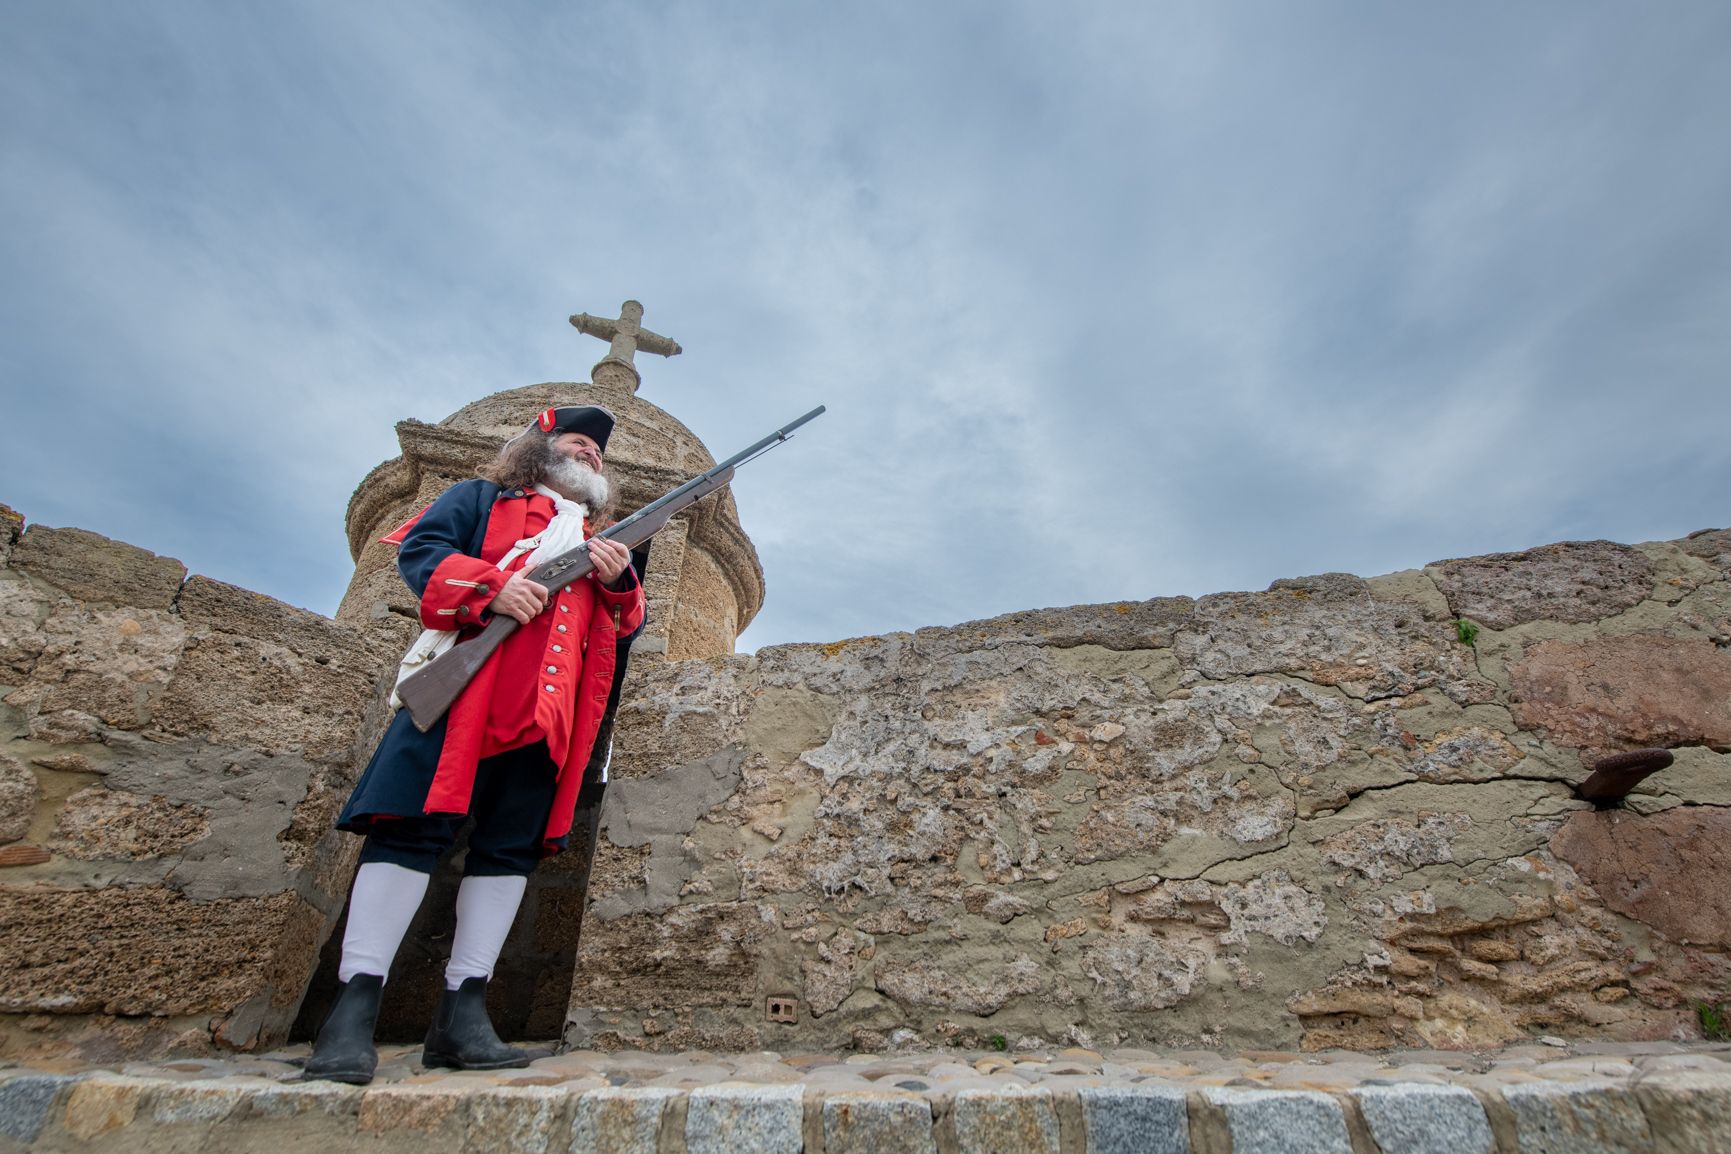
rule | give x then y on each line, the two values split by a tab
563	534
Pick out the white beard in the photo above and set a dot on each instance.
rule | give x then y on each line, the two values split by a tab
577	481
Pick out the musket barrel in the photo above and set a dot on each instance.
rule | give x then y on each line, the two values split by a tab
740	457
430	690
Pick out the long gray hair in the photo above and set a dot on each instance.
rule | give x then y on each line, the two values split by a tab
524	462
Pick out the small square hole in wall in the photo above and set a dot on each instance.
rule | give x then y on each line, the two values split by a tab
781	1010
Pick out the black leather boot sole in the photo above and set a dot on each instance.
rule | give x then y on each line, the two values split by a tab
344	1051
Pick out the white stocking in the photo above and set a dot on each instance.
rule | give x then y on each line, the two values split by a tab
486	907
381	906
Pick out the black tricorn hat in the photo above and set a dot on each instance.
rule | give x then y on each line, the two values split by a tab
591	420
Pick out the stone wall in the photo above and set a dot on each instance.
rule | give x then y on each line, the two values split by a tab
172	753
1313	816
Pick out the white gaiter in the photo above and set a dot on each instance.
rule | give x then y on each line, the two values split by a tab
381	906
486	907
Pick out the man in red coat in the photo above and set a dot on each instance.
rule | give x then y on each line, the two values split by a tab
511	750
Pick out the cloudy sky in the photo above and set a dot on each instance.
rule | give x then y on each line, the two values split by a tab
1106	300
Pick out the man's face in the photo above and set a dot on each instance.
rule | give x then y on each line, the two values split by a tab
579	447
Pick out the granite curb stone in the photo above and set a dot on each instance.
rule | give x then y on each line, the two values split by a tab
521	1119
1587	1117
1689	1110
1019	1118
1532	1100
102	1103
1135	1120
1424	1118
433	1110
192	1103
735	1117
295	1099
620	1119
1282	1121
25	1101
868	1122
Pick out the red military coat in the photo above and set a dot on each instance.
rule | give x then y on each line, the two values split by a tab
550	679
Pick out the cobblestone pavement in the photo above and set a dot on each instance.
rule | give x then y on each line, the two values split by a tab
1582	1099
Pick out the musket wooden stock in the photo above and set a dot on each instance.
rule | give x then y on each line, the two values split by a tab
428	692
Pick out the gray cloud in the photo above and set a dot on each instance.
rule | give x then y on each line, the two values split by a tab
1145	299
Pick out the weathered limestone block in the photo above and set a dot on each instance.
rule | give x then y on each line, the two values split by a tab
1471	753
1120	625
110	664
1183	782
1569	581
1271	905
1626	692
91	568
211	821
836	971
1385	834
1711	545
1382	850
24	606
658	813
260	674
690	955
19	792
99	822
1474	961
924	985
1330	630
1671	871
150	951
1141	973
1368	1018
704	614
1698	776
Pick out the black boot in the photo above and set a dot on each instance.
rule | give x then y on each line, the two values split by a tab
462	1036
344	1050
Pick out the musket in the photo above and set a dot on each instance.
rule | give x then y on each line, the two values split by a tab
430	690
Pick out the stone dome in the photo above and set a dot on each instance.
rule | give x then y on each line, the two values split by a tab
705	583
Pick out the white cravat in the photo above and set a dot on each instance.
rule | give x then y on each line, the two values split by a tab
562	534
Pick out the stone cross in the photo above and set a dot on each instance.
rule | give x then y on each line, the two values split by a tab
624	336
